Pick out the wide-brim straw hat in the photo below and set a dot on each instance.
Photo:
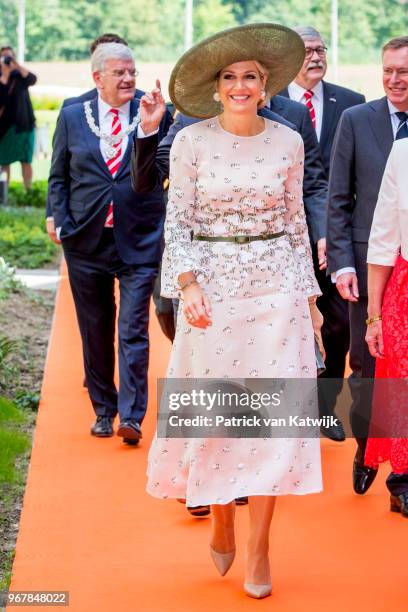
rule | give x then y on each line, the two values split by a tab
192	81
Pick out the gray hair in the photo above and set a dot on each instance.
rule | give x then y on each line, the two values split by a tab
308	32
106	51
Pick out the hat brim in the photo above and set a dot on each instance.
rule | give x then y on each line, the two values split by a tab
192	81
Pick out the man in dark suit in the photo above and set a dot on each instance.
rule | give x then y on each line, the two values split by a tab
108	37
362	144
107	232
325	102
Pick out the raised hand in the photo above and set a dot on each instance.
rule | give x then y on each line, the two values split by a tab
152	109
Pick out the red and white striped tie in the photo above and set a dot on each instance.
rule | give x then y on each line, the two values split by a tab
308	97
114	163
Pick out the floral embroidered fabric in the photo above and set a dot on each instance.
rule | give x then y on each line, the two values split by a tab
225	185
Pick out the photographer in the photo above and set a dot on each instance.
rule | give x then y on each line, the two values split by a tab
17	119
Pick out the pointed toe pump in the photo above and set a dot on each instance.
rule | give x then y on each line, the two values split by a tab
222	561
257	591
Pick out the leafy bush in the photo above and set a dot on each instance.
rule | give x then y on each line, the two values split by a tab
46	102
8	281
24	238
27	400
35	197
7	347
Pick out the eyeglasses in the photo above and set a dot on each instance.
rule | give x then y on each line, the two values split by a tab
119	74
321	51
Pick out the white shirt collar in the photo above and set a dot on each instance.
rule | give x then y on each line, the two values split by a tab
393	109
104	109
297	92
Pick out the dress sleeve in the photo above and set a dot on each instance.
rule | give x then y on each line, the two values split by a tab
295	222
385	236
178	256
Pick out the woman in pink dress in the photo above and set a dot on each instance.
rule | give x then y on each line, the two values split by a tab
238	252
387	325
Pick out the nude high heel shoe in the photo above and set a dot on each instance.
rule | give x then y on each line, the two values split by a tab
222	561
257	591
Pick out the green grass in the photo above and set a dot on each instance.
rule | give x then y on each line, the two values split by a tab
13	442
15	445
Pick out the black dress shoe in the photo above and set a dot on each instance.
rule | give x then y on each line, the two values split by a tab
363	476
130	442
199	510
335	431
241	501
102	428
399	503
129	430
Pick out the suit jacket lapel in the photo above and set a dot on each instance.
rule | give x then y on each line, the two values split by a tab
133	108
380	121
92	140
329	112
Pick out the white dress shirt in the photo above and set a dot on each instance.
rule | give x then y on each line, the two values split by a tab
389	231
105	124
394	119
297	93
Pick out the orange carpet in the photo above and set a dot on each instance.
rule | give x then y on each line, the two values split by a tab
89	528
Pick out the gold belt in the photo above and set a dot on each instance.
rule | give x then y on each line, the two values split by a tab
238	239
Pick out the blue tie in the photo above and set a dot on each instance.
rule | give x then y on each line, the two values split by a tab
402	130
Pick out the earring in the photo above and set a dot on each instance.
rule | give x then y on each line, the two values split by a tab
263	94
216	96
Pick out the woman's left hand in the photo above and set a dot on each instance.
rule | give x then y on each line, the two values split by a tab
374	339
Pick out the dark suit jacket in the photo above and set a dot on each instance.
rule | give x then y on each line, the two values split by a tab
81	187
152	168
90	95
336	99
314	181
361	147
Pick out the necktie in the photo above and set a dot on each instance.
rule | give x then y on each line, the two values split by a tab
114	163
402	130
308	97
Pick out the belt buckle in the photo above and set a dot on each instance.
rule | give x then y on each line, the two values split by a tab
241	239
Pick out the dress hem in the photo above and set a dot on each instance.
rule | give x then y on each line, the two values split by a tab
240	494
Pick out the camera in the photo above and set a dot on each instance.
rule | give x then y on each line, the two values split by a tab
6	60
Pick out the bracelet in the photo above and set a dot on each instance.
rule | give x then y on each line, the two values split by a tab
373	319
188	283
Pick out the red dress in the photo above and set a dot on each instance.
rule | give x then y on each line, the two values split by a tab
390	398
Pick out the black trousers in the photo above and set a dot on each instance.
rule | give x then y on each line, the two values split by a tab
92	278
164	311
336	339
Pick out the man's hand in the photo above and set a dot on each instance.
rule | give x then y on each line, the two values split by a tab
50	225
347	286
152	109
321	253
